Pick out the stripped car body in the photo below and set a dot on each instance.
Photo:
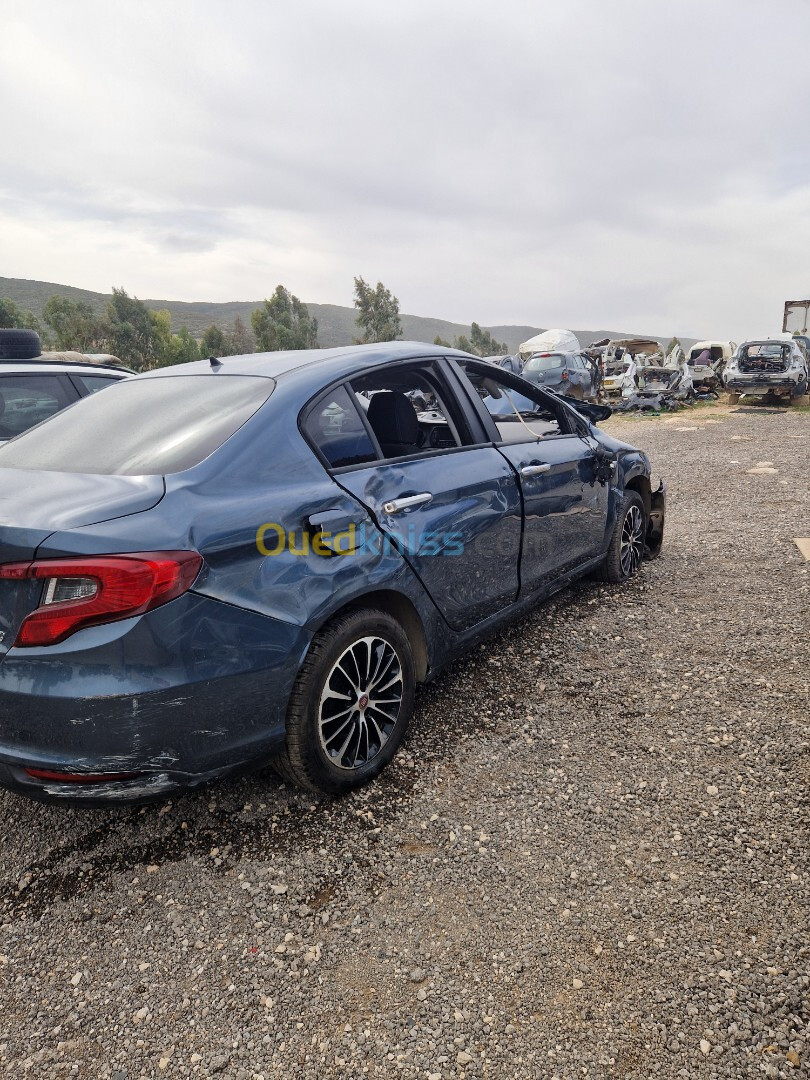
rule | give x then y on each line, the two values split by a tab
170	589
767	367
707	360
622	359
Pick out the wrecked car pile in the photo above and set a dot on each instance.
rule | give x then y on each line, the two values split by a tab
640	378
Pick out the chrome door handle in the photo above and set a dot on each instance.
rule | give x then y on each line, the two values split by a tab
535	470
396	505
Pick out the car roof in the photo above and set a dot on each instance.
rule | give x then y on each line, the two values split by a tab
58	367
767	341
327	363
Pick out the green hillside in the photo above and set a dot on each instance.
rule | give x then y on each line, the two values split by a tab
336	325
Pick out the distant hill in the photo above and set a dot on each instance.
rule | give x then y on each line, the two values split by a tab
336	325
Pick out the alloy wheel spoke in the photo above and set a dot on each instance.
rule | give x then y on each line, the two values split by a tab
382	687
360	703
338	755
346	723
379	675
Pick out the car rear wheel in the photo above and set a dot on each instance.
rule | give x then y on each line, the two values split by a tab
627	543
351	704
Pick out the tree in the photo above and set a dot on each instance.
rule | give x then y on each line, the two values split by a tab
440	341
213	342
12	317
179	348
74	324
378	312
675	341
239	341
283	322
133	332
480	343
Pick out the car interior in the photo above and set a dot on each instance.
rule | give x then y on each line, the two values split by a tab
409	413
26	402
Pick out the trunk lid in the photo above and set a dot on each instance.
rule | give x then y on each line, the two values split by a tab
35	504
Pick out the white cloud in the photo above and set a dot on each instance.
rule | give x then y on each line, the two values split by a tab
626	165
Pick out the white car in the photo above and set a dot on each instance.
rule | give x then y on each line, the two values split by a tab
769	366
34	386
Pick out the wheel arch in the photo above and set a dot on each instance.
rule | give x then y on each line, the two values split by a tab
641	484
399	607
654	511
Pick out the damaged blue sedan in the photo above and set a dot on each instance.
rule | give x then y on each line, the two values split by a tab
254	560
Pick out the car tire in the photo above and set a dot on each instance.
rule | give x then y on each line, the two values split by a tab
332	749
19	345
626	549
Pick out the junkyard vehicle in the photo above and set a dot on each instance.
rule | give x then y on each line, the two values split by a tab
707	359
508	363
210	565
621	361
34	386
768	367
619	378
566	373
665	381
549	341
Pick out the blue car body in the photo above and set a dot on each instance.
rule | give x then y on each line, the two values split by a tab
199	687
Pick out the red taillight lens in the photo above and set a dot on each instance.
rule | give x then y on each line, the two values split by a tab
79	778
564	376
95	589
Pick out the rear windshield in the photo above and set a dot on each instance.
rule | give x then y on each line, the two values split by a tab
544	363
765	350
141	427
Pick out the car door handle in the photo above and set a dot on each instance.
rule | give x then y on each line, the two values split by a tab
396	506
535	470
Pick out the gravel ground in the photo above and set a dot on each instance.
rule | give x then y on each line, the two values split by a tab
590	861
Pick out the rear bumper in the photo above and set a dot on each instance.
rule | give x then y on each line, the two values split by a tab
188	692
776	383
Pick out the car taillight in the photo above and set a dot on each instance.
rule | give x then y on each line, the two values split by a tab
79	778
93	589
564	376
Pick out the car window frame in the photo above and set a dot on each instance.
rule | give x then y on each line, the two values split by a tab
312	406
451	391
69	392
578	424
75	377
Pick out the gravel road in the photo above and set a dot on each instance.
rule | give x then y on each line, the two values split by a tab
590	861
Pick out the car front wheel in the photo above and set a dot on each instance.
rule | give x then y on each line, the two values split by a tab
627	542
351	704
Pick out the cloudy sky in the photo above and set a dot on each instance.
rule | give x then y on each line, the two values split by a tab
622	164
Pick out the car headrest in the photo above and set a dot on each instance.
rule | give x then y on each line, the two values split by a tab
393	417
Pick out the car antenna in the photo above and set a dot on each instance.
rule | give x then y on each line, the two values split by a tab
214	362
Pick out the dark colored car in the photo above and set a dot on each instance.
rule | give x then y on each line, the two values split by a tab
34	386
571	374
209	567
511	362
